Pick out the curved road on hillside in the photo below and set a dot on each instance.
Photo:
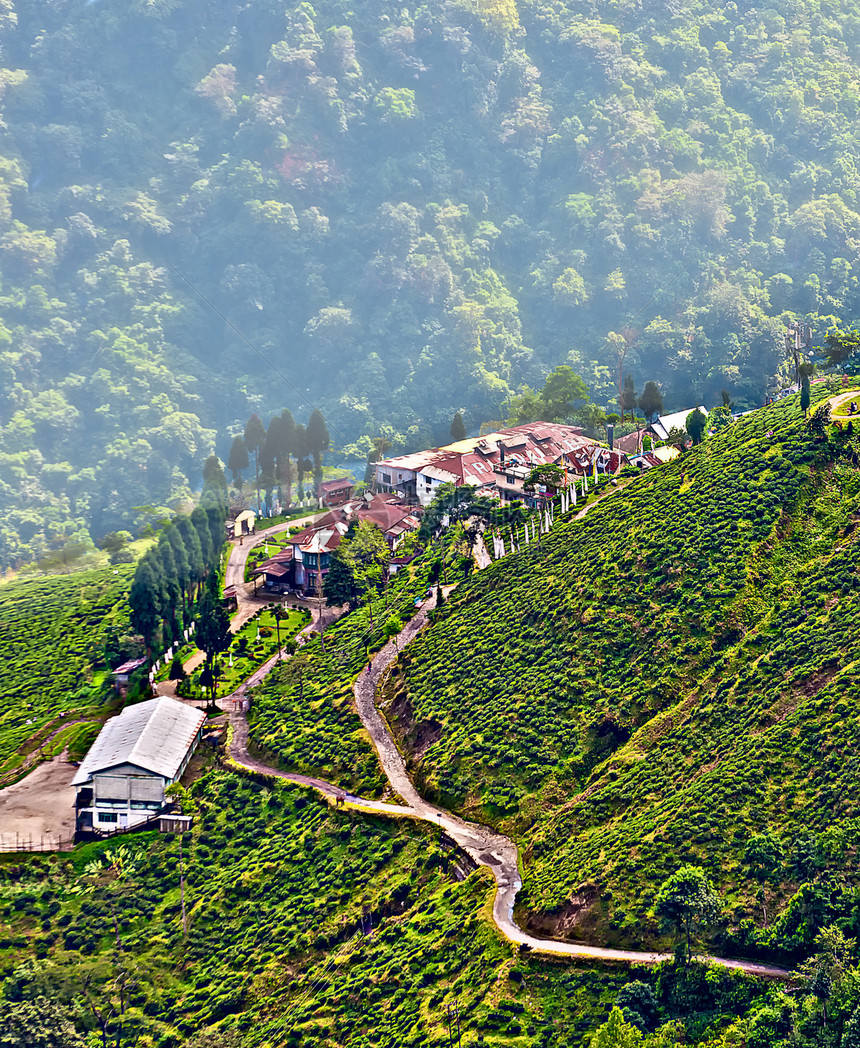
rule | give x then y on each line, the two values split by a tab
486	847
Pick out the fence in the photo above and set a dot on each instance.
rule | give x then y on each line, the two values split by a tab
28	842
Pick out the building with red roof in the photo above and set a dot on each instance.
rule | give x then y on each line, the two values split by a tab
496	462
303	566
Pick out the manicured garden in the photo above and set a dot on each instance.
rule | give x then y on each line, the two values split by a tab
257	641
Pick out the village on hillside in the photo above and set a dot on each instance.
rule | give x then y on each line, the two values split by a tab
496	465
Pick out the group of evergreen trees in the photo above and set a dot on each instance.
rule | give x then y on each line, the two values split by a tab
169	581
274	450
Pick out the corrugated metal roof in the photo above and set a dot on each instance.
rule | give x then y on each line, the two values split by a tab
129	667
154	735
677	420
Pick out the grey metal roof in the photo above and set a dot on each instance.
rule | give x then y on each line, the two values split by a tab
154	735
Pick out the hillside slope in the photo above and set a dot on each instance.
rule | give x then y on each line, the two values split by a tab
662	679
55	637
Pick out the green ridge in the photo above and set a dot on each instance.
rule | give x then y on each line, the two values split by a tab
664	678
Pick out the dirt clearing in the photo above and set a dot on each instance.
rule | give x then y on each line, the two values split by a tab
40	806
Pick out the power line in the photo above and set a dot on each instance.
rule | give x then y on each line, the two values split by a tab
659	291
293	1010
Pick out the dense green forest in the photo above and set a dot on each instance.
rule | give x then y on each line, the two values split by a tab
405	212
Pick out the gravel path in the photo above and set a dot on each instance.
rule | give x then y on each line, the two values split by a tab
485	846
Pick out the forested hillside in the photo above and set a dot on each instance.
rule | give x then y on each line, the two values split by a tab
406	211
658	683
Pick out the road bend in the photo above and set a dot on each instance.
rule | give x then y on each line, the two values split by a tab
485	846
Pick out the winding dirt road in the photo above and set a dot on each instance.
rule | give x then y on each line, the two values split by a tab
486	848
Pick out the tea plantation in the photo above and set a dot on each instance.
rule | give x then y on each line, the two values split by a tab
664	678
52	648
304	926
303	715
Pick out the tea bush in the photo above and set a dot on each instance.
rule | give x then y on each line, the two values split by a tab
663	678
53	635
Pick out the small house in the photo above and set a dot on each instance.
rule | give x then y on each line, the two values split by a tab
335	492
244	524
122	674
662	425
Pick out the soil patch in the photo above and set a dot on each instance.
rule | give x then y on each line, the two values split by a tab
40	806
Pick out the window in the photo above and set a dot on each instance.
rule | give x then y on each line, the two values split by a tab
386	478
107	816
510	479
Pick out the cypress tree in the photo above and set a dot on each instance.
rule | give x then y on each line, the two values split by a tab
144	601
214	484
237	460
194	552
628	396
255	437
458	428
268	457
651	401
318	442
217	533
171	591
201	526
301	457
180	556
286	448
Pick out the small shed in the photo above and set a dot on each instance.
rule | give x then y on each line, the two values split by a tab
174	823
122	674
245	523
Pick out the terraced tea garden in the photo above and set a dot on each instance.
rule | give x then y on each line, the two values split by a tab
303	715
665	677
53	634
304	926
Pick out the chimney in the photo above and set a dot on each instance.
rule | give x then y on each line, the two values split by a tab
610	434
501	448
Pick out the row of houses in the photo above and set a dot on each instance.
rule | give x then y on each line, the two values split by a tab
497	463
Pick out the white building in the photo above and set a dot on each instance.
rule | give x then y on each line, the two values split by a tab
137	755
663	425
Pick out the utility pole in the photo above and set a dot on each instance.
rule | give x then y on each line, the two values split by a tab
319	609
182	889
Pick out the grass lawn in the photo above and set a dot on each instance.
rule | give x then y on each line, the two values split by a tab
843	410
256	642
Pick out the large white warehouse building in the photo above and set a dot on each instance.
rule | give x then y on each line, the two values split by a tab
137	755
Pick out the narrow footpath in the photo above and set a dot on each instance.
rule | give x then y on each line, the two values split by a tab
486	847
